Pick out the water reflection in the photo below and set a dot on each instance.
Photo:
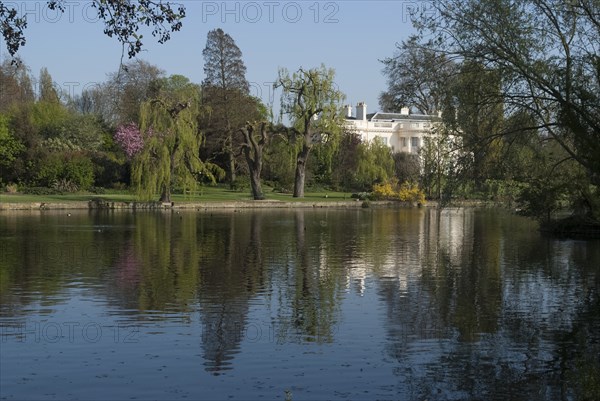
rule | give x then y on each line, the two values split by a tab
232	272
450	304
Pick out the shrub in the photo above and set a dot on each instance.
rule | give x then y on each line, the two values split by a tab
80	171
410	192
362	196
12	188
41	191
64	185
66	170
386	190
405	192
97	190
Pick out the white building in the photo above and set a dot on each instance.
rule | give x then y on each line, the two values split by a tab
403	132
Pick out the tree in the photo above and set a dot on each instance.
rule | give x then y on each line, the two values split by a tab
123	19
255	137
345	162
407	166
559	88
10	147
118	99
375	163
15	85
226	91
48	92
130	139
312	102
280	163
171	141
476	95
417	76
439	155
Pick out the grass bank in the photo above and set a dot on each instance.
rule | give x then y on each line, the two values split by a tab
207	197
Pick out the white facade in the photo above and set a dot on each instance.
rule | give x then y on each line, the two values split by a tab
403	132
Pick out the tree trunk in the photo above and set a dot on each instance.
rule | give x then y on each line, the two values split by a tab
165	195
301	172
257	192
231	169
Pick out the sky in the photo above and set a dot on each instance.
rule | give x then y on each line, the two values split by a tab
348	36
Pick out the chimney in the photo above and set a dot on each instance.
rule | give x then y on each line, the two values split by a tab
348	111
405	111
361	111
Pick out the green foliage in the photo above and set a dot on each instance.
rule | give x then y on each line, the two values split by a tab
280	164
48	118
57	169
48	93
439	158
505	44
109	169
555	182
375	163
170	155
312	102
40	191
79	169
51	169
345	162
10	147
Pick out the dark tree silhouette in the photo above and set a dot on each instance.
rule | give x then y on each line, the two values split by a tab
226	91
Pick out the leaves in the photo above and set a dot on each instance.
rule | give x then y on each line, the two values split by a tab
123	19
169	157
312	101
417	76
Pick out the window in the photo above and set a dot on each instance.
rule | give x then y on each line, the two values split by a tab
404	142
381	139
415	143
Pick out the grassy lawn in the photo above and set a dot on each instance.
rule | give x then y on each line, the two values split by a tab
206	194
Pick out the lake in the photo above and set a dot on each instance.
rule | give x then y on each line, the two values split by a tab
314	304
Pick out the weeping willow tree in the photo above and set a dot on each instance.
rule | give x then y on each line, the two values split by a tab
170	157
312	102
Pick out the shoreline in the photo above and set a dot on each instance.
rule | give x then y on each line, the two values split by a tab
97	204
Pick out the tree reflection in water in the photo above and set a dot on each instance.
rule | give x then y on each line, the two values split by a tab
472	304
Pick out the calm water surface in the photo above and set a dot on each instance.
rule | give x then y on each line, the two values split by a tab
324	304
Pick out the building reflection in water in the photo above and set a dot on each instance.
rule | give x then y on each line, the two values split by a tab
469	301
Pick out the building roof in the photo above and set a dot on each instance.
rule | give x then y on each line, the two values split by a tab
379	116
398	116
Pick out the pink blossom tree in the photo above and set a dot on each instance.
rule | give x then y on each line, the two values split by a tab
130	139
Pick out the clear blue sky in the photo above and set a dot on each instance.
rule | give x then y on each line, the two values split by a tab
349	36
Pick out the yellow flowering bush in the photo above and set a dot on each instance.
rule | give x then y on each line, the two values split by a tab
410	192
385	190
393	190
